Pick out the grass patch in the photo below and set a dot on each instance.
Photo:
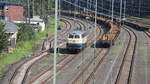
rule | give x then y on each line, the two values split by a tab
144	20
25	48
50	60
46	62
144	50
118	47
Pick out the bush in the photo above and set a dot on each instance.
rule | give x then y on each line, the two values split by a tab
26	32
3	38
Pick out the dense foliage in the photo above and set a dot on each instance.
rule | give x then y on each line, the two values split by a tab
26	33
3	38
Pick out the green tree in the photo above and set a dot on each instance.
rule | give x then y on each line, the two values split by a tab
26	33
3	38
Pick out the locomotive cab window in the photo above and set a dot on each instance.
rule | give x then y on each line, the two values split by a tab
70	36
77	36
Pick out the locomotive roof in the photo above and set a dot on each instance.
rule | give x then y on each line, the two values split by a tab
77	32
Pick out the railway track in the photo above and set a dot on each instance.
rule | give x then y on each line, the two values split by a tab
34	56
83	25
75	22
23	69
88	72
126	68
37	79
147	33
64	58
63	63
67	28
123	61
90	68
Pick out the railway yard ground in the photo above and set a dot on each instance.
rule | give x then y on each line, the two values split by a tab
125	62
75	42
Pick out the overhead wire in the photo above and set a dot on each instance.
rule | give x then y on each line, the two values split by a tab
139	8
134	7
112	6
100	7
120	11
86	8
